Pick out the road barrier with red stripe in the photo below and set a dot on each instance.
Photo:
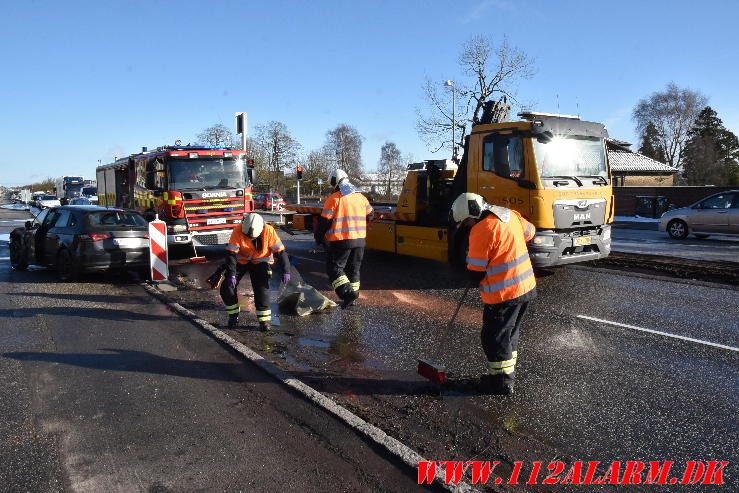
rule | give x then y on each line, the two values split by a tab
158	256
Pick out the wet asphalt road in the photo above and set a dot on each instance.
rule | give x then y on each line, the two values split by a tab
103	389
592	389
636	238
587	386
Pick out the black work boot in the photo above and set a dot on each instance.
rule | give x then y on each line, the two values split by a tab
495	385
347	295
264	326
233	320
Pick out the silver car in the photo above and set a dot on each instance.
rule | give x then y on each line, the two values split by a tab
716	214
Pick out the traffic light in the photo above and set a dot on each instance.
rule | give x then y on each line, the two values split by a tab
240	123
299	172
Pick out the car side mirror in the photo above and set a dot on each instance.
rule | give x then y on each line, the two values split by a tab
544	137
529	185
29	224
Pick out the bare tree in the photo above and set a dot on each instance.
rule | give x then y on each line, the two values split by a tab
276	150
487	72
672	112
316	166
392	166
217	135
344	144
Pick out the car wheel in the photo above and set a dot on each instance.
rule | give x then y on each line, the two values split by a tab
65	266
18	260
677	229
701	236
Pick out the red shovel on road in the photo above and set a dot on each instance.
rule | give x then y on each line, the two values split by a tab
436	372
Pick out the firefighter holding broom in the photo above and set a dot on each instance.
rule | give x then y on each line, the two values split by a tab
498	260
251	248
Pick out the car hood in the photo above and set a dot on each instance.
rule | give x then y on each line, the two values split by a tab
676	212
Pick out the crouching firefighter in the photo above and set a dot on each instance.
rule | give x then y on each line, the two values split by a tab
343	228
499	261
251	248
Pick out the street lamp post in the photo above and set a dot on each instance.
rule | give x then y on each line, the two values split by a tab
450	83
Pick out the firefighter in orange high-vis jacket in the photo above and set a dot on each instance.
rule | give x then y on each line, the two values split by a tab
252	248
499	260
342	228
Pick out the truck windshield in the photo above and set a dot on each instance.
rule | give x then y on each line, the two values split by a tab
196	174
571	155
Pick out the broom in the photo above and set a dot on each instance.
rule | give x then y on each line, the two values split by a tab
196	259
436	372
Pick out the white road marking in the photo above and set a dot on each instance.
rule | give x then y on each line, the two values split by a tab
666	334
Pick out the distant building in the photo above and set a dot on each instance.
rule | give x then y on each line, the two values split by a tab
629	168
376	184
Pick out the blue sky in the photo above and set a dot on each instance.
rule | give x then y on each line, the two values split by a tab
87	81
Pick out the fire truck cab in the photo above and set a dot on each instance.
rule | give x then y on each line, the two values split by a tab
200	192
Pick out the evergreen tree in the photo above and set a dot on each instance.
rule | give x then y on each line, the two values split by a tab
650	144
711	153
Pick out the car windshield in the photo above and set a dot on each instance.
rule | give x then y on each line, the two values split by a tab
196	174
89	191
47	197
571	155
116	218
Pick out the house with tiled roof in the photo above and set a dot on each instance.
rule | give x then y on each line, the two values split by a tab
629	168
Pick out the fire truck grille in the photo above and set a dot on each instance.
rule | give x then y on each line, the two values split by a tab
207	239
214	214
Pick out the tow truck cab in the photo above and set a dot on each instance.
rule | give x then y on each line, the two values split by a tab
554	170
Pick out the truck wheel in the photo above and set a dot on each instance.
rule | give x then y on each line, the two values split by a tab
18	260
65	266
677	229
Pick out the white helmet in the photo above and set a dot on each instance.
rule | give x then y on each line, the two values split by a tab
337	177
467	205
252	225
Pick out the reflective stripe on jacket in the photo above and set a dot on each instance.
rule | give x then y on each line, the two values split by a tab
347	215
245	250
499	249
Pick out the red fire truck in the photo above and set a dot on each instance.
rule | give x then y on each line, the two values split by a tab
200	192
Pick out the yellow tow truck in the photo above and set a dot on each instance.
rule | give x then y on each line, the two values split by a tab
553	169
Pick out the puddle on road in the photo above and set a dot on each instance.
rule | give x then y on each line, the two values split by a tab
387	331
305	341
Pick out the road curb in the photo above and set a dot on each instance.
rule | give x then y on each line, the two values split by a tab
409	456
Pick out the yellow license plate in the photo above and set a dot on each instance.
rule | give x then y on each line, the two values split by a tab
583	240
